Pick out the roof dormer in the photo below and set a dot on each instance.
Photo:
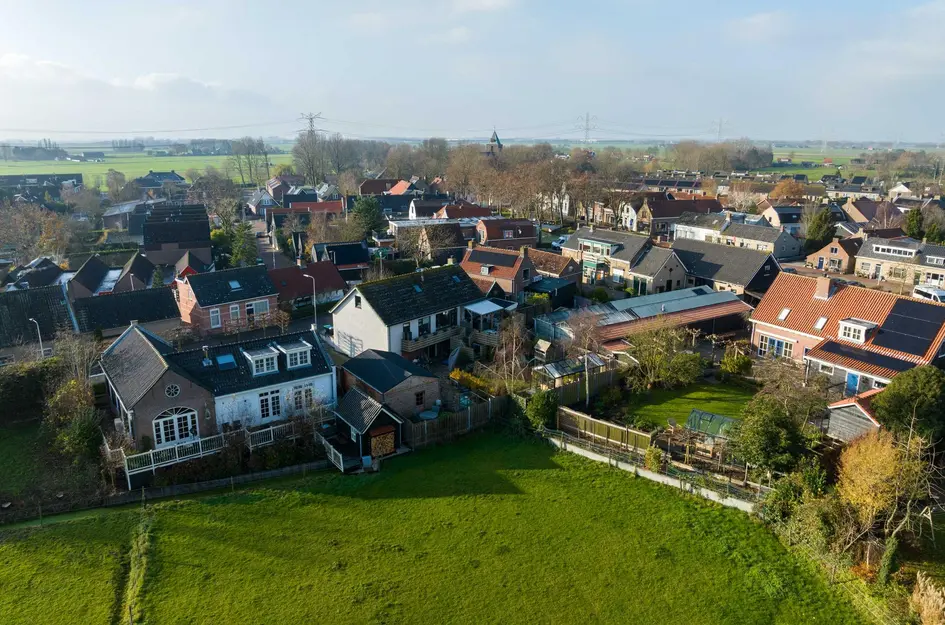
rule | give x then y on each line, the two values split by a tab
855	330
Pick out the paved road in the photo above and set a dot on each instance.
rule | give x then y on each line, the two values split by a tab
273	258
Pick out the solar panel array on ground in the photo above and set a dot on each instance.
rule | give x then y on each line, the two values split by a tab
910	327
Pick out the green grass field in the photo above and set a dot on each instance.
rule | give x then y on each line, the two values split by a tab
487	530
20	453
132	166
724	399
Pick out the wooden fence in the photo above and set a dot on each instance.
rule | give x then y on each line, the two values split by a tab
584	426
448	426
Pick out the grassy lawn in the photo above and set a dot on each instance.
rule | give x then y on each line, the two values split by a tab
20	456
488	530
724	399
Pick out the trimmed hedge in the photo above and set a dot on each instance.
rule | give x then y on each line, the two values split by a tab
23	389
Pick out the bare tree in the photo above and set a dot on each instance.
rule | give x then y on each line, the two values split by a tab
511	354
585	331
308	156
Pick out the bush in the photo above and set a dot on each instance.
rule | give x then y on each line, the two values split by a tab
611	397
683	370
928	601
736	364
23	387
79	437
472	381
888	564
600	295
653	459
542	409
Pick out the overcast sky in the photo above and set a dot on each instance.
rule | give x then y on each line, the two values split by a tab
457	68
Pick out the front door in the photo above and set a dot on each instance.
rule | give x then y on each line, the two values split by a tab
877	271
853	383
669	284
820	262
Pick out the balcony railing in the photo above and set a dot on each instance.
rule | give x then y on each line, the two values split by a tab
485	338
412	345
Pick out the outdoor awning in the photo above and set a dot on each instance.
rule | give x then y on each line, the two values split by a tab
484	308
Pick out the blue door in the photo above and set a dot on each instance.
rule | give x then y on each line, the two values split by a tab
820	262
853	383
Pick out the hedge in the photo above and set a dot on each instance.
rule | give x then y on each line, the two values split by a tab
23	388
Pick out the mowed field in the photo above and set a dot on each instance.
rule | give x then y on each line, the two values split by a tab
132	165
487	530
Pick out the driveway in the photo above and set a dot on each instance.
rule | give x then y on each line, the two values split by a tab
273	258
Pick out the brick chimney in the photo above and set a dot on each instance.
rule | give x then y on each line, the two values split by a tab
471	243
824	287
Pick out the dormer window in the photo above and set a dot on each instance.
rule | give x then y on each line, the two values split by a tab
485	269
263	360
297	354
854	330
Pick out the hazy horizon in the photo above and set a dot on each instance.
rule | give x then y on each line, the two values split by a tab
459	68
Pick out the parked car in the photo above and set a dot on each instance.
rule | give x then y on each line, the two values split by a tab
930	293
557	243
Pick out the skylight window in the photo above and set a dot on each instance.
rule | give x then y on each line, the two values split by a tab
417	288
235	285
226	362
784	314
820	323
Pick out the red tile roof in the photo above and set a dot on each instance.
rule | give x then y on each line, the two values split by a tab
549	262
452	211
796	293
400	188
474	269
863	401
291	282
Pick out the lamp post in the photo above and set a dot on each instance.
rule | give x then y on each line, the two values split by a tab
40	337
314	298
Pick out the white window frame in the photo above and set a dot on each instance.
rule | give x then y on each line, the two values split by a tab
852	332
215	313
302	357
170	426
234	312
825	369
265	364
303	397
270	405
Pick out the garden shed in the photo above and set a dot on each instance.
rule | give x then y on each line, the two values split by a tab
562	372
373	428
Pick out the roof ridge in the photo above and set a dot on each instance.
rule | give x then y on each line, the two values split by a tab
404	276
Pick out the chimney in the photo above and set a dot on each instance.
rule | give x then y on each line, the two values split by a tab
522	251
824	287
450	261
836	239
134	322
470	243
300	261
590	228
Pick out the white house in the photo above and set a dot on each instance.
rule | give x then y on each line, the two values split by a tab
412	314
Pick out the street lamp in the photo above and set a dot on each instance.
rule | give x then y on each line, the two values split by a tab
314	298
40	337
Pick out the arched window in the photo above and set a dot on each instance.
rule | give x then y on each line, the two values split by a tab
175	426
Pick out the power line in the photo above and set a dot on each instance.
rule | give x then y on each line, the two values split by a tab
587	126
131	132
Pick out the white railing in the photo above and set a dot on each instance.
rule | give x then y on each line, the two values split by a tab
151	460
270	435
333	454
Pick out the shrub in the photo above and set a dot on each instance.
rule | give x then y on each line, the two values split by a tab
472	381
611	396
600	295
542	409
888	564
928	601
23	387
736	364
683	370
79	437
653	459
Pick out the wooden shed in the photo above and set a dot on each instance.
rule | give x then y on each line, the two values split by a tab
852	417
372	427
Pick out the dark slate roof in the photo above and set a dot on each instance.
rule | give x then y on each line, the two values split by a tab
651	261
726	263
46	304
925	250
40	272
119	209
91	273
118	310
140	267
754	233
338	254
397	300
189	259
382	370
134	363
631	244
174	231
358	410
214	288
668	209
235	380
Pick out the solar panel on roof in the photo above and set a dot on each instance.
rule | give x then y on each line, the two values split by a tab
862	355
910	327
919	310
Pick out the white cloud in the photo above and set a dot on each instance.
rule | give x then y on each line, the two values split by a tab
458	34
760	26
467	6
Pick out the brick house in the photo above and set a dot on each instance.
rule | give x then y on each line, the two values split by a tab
619	260
511	270
838	256
658	217
729	228
390	379
551	265
278	185
170	231
902	260
222	301
860	338
510	234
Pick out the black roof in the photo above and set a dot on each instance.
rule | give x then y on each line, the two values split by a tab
157	232
46	304
215	287
352	253
38	273
189	259
91	273
134	363
413	295
726	263
868	357
288	199
232	379
37	180
382	370
140	267
496	259
358	410
118	310
910	327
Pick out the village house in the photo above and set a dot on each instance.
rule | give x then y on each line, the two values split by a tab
785	216
297	284
860	338
278	185
351	258
622	260
658	217
511	270
413	314
164	398
461	211
746	272
729	229
30	319
137	274
390	379
93	278
260	202
39	272
427	209
902	260
376	186
170	231
229	300
118	216
507	233
551	265
154	183
838	256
